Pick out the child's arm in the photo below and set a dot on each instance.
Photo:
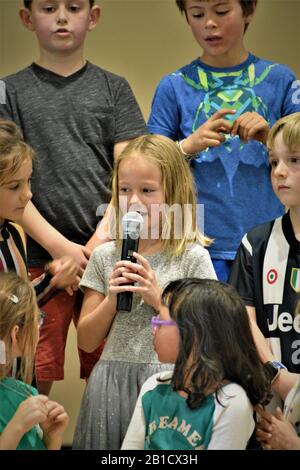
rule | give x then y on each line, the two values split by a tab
102	233
210	134
96	316
49	238
251	126
285	379
98	312
55	425
30	412
233	422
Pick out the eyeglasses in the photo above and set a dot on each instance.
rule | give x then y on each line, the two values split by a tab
41	317
156	322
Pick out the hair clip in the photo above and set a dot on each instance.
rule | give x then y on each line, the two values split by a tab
14	298
2	353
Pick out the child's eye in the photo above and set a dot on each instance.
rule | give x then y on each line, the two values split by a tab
222	12
48	9
14	188
273	163
123	190
295	160
147	190
74	8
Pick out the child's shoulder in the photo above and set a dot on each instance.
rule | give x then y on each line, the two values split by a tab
110	78
157	379
262	232
195	250
18	387
234	394
19	76
266	63
108	249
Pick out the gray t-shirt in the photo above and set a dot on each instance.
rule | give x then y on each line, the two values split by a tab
72	123
130	338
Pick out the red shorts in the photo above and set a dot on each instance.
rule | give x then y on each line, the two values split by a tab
50	354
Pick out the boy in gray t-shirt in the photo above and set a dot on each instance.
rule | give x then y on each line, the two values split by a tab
78	118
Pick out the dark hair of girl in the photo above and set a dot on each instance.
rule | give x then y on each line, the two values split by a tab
215	341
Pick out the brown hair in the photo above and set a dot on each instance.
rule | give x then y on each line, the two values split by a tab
13	150
18	306
248	7
27	3
290	128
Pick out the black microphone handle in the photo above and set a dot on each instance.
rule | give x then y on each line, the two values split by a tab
129	245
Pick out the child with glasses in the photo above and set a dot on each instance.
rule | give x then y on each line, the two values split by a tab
151	178
28	421
207	401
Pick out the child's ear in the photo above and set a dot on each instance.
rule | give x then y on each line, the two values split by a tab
95	14
249	17
25	15
15	341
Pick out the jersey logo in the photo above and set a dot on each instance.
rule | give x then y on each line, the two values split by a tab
272	276
295	279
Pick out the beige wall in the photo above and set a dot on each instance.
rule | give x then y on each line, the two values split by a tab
143	40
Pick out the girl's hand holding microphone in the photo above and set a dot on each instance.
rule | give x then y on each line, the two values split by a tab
140	273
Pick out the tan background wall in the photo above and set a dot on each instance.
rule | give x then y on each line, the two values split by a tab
143	40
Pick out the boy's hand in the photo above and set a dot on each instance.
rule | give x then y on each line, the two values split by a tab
210	134
143	275
251	126
30	412
55	424
66	273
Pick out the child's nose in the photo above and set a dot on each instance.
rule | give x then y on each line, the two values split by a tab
210	21
134	199
281	169
26	194
61	14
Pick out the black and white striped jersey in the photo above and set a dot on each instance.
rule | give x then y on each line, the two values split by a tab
266	273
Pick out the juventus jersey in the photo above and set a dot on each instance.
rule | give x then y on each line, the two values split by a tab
266	273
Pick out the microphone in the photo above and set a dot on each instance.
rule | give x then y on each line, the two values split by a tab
132	224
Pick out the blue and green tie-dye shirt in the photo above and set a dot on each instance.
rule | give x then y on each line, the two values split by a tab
233	180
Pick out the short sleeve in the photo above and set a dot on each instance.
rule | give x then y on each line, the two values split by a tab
129	121
164	118
93	276
233	422
241	276
198	263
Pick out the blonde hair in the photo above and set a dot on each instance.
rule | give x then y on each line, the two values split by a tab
178	187
290	128
18	306
13	150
